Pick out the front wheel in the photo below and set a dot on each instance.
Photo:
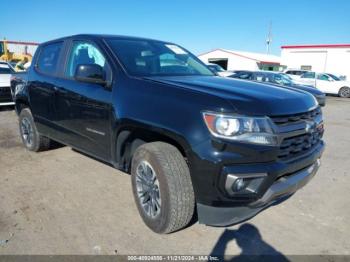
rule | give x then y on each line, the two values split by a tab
344	92
162	187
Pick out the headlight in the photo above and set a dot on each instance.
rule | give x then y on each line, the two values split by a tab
255	130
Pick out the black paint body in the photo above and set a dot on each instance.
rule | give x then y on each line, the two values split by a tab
134	110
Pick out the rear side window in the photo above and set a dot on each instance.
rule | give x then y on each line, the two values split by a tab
48	58
244	75
308	75
299	73
260	78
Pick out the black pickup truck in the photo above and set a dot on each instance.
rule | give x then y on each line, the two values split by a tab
192	141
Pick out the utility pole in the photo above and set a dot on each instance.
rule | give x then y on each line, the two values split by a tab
269	39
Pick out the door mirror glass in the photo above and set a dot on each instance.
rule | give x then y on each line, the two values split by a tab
91	73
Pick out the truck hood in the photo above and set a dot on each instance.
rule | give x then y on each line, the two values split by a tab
246	97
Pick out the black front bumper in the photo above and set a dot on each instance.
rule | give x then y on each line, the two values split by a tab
281	189
287	179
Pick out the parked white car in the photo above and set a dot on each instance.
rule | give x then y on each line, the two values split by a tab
327	83
5	91
295	74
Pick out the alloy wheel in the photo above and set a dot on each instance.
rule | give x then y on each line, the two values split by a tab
27	132
148	192
345	92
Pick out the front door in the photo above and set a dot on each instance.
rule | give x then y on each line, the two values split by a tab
325	83
84	109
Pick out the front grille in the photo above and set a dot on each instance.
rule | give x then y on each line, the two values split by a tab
292	147
282	120
297	145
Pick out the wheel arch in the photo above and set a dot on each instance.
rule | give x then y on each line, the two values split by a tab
129	138
341	88
20	104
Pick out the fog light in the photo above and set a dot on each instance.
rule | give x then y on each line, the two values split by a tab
244	183
238	185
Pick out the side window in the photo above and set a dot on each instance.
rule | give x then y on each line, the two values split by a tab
299	73
244	76
48	58
85	53
308	75
323	77
259	77
5	70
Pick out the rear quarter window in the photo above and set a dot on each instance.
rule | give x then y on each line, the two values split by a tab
48	58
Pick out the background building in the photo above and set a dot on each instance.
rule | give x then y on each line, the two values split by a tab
238	60
320	58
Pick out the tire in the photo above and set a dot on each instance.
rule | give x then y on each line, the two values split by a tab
344	92
31	138
172	187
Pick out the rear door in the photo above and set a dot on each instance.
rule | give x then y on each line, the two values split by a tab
308	78
83	109
41	86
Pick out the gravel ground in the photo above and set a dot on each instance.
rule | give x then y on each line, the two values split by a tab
63	202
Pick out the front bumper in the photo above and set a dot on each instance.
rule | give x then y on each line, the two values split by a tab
5	96
281	189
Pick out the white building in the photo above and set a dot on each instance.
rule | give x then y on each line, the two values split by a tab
320	58
238	60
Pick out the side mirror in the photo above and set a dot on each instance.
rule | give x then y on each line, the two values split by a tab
90	73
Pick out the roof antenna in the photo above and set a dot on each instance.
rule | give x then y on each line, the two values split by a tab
269	39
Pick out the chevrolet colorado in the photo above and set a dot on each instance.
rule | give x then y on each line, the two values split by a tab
192	141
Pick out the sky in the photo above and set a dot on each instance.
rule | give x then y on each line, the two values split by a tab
199	26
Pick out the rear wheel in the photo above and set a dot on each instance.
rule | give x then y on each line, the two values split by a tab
162	187
344	92
31	139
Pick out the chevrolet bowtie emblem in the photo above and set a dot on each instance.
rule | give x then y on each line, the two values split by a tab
310	125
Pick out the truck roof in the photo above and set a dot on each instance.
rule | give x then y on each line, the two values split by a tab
101	36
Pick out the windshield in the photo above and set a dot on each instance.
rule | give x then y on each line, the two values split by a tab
334	77
282	79
153	58
216	68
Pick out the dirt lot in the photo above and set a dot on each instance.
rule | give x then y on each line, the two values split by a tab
62	202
